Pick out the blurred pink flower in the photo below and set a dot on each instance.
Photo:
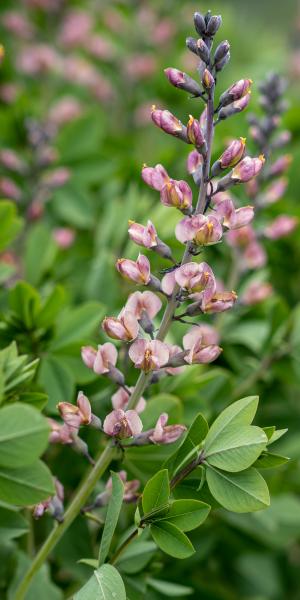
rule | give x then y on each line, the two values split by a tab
75	29
9	189
65	110
64	237
38	59
280	227
256	292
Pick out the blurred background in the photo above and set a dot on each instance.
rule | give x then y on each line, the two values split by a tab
77	82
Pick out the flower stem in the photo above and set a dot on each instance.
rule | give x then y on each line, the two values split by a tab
82	494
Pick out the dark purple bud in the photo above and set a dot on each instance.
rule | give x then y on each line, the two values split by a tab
146	323
236	91
183	81
203	51
221	51
213	25
222	63
199	23
230	157
191	44
207	79
235	107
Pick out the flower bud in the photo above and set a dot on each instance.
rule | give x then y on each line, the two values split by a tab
166	434
236	91
122	424
88	355
102	359
219	66
207	79
195	277
199	229
75	416
177	194
273	192
194	165
168	123
60	434
213	25
156	177
195	133
230	157
207	334
280	165
183	81
135	270
247	169
221	51
203	51
125	327
254	256
149	355
199	23
231	217
283	138
281	226
143	236
234	108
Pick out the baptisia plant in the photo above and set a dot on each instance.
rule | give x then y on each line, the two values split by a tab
219	463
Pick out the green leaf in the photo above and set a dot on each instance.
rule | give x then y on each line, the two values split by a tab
36	399
239	492
40	252
156	493
136	556
269	460
236	447
41	586
57	380
112	515
276	435
25	302
10	223
24	434
105	584
168	588
190	445
186	514
51	307
241	412
26	485
171	540
77	324
12	525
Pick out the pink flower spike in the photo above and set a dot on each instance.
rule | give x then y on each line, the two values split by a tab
143	236
125	327
149	355
137	271
201	230
143	301
106	355
121	397
166	434
156	177
122	424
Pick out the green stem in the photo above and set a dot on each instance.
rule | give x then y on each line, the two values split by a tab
82	494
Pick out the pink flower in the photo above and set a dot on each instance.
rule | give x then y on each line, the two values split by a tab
12	161
138	302
38	59
202	354
135	270
220	302
200	229
233	153
255	256
64	237
143	236
241	237
156	177
57	178
195	277
194	162
124	327
166	434
194	133
121	397
61	434
100	360
9	189
256	292
231	217
65	110
274	192
122	424
149	355
205	333
130	487
76	415
280	227
76	28
247	169
280	165
168	283
54	504
177	194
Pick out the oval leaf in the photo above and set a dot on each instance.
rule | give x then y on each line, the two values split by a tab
156	493
187	514
105	584
26	485
24	434
241	412
239	492
171	540
236	447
